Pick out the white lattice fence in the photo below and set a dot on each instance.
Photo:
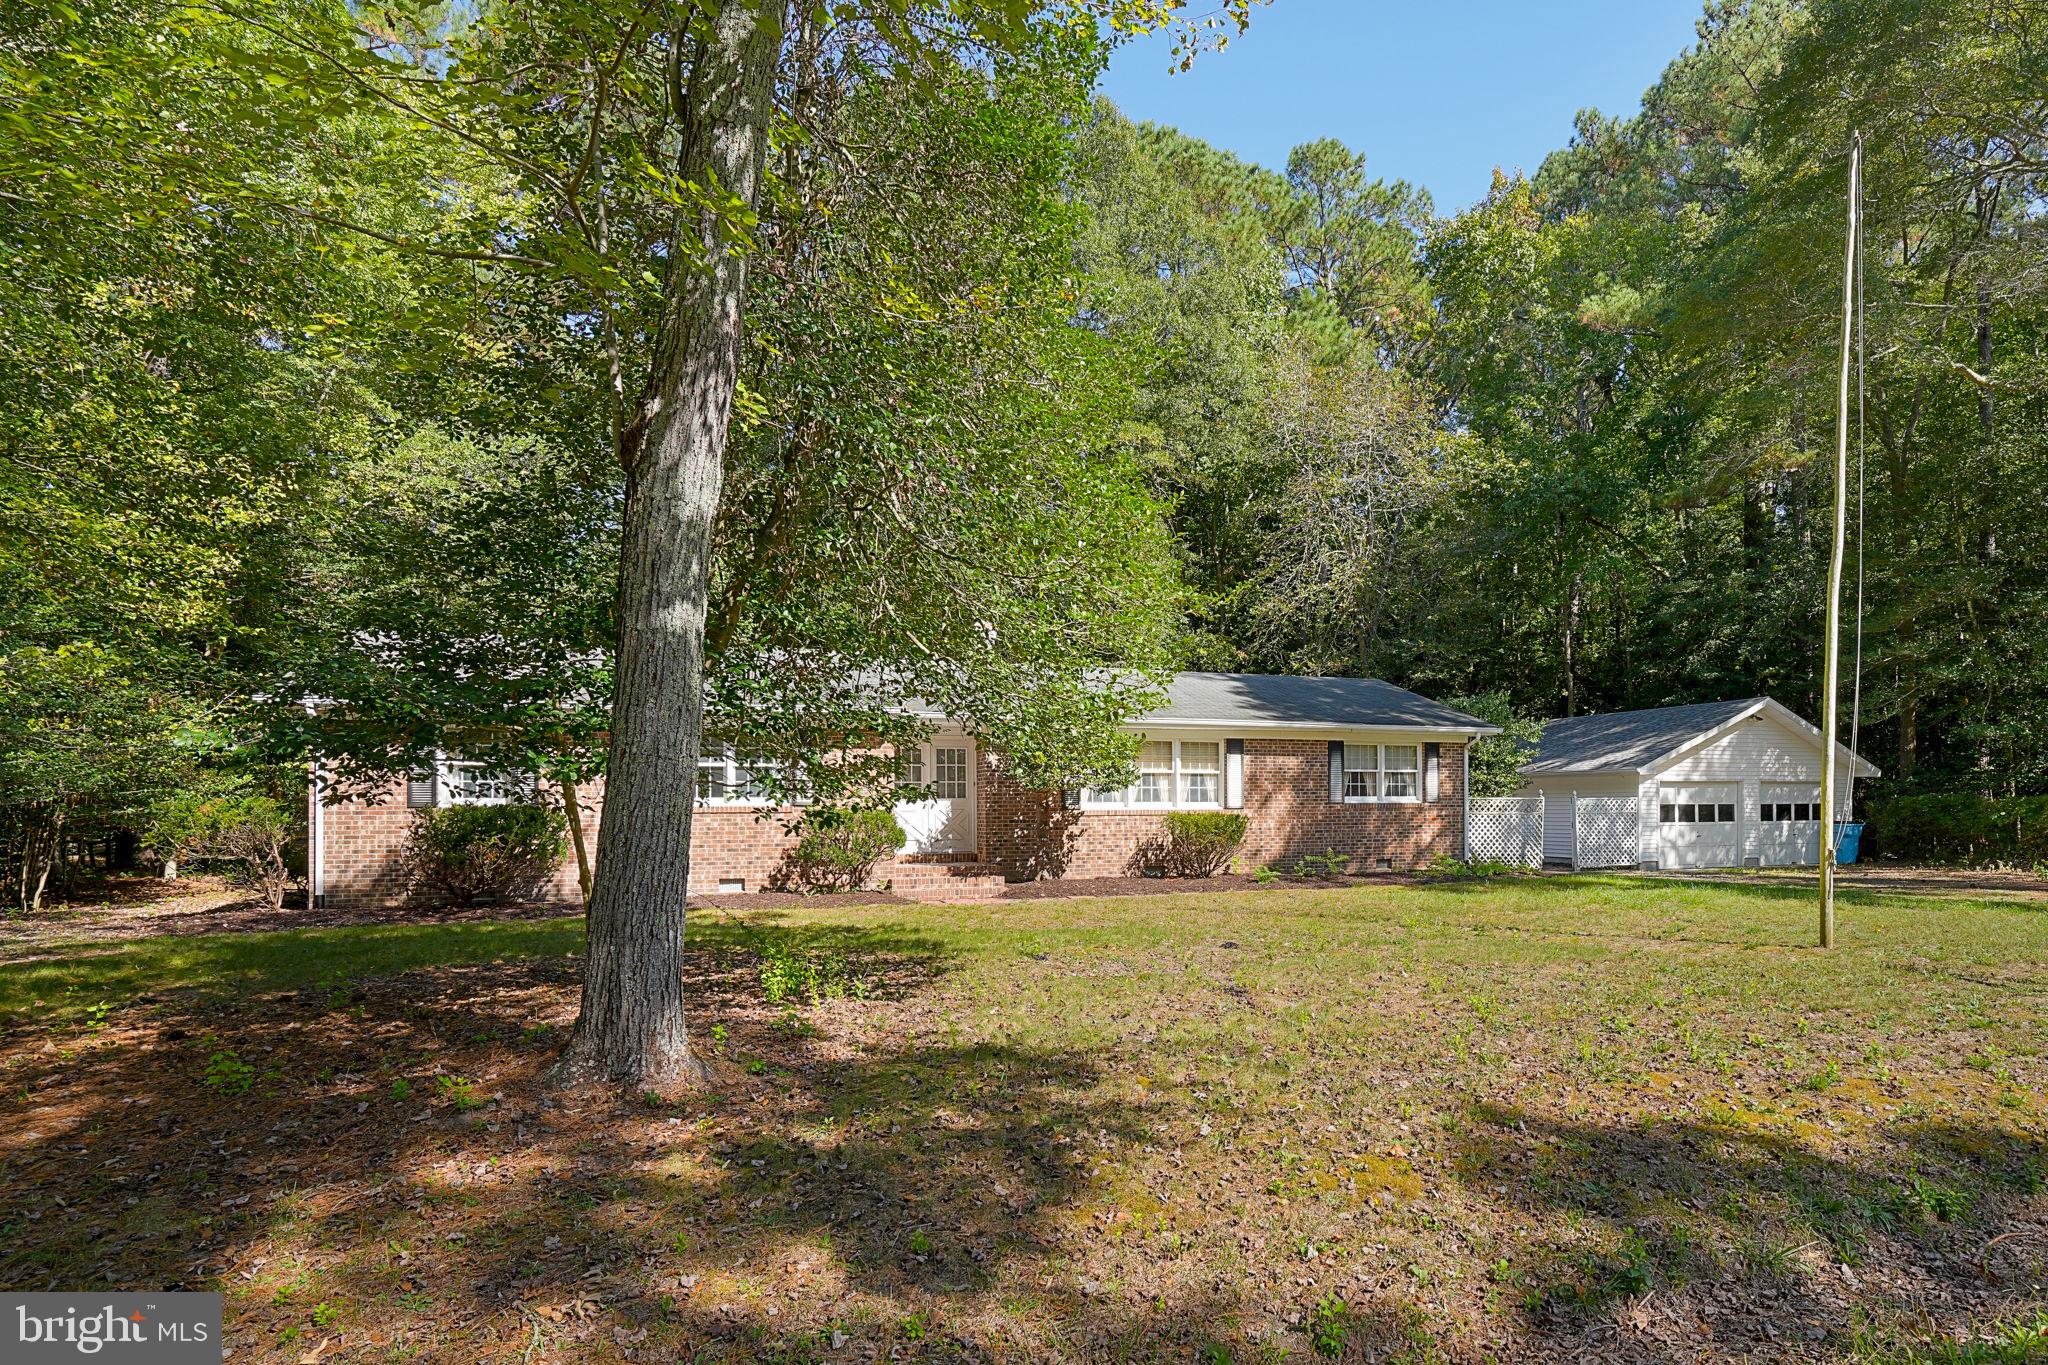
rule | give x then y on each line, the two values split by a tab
1506	829
1605	829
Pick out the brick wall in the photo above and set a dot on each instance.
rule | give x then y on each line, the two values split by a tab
1028	834
365	844
1287	801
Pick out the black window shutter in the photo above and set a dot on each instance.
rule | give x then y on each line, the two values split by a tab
1070	799
419	790
1432	763
1336	770
1233	768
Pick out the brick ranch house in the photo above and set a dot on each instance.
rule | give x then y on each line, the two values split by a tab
1357	766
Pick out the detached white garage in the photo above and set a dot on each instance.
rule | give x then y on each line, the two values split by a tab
1717	784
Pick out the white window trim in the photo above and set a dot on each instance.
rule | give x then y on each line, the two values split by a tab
1126	797
1379	768
447	791
730	770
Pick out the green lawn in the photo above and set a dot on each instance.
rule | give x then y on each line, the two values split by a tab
1549	1118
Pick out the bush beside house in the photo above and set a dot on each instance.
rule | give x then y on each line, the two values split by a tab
1200	843
463	854
837	849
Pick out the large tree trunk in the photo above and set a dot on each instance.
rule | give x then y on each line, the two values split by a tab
631	1028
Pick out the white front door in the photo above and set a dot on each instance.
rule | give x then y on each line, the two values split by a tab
1788	829
943	820
1699	824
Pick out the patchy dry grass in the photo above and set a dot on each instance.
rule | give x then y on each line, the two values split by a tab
1561	1118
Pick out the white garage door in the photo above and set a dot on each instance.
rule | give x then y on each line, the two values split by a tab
1698	824
1788	832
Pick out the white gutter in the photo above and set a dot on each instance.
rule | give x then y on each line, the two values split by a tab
316	852
1465	837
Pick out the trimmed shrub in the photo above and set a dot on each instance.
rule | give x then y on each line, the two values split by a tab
1199	843
836	849
461	854
1952	828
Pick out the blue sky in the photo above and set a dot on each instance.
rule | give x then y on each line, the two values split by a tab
1435	93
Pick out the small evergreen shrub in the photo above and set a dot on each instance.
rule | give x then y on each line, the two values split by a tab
1444	868
462	854
1327	866
837	849
1199	843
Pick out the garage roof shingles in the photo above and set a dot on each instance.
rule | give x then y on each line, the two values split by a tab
1627	740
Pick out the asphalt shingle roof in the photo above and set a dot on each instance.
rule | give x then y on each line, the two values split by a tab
1282	699
1627	739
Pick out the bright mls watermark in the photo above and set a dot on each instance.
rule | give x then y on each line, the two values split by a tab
163	1329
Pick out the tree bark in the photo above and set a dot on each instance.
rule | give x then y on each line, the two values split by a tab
44	847
631	1028
572	807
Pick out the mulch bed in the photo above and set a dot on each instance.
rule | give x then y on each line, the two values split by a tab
147	907
128	908
1074	888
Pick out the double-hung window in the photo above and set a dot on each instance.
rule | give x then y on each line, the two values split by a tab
466	782
1201	773
1155	774
458	781
1361	772
1382	772
1400	770
1172	774
724	780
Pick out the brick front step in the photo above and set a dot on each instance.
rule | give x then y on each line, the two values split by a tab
942	880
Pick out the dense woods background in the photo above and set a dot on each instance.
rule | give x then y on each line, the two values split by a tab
1571	443
310	359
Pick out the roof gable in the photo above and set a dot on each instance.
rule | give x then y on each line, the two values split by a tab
1638	741
1629	741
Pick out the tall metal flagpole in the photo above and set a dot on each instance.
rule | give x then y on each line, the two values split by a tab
1831	672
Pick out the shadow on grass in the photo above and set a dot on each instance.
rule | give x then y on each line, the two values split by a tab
69	978
61	980
375	1157
369	1134
1666	1204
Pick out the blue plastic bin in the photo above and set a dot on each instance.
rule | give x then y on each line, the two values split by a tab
1851	834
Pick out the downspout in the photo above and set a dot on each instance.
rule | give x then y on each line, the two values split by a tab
316	852
1465	784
